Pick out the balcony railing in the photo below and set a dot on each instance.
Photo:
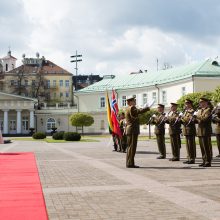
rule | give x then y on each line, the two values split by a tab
45	106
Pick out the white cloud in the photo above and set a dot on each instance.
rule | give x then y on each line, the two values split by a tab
114	37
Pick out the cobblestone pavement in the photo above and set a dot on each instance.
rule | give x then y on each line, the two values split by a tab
87	180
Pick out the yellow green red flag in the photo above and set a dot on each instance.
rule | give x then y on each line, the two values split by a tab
109	112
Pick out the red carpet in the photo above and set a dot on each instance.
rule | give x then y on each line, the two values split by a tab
21	196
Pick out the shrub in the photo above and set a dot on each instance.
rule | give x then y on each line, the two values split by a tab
39	135
58	135
71	136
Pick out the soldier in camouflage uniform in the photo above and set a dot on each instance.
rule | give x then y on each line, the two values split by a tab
189	131
174	131
204	131
159	130
216	120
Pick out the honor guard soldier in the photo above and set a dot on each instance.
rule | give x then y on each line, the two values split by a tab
216	120
159	130
189	131
174	131
132	130
204	130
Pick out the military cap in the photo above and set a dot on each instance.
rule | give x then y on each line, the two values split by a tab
161	105
130	98
188	101
173	103
204	99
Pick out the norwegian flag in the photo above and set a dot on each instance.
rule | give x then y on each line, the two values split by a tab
114	103
114	114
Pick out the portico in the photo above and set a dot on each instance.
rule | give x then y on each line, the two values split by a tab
16	114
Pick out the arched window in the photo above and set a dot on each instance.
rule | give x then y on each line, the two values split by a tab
51	123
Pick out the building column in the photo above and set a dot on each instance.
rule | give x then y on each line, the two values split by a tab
31	119
18	121
5	128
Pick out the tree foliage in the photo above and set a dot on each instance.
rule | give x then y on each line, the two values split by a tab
81	119
144	118
216	95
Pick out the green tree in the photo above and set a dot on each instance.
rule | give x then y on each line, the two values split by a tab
216	95
194	97
144	118
81	120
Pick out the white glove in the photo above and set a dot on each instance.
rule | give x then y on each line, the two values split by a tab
149	104
195	113
180	114
153	116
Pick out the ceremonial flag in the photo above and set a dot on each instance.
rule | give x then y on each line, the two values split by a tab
114	114
109	113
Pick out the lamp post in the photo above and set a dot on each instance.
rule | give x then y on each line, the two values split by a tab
76	60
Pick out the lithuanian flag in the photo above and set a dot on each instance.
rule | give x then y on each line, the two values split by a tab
109	113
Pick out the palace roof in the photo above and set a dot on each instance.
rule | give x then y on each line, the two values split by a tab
208	68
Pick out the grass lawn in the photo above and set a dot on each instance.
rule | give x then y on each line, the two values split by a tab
50	140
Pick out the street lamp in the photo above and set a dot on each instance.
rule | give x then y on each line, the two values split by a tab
76	60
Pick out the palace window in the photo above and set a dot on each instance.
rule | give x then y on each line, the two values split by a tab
124	103
54	83
12	82
102	102
164	97
48	84
25	123
67	83
51	123
61	83
183	90
145	98
154	96
12	125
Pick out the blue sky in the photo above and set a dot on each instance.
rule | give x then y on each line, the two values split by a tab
114	37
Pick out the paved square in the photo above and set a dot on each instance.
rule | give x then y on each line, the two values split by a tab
87	180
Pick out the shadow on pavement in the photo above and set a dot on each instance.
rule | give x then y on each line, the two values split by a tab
172	168
146	152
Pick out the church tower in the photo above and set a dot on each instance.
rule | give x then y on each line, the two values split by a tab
8	62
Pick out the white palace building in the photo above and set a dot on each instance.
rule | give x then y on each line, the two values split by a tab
18	115
163	86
